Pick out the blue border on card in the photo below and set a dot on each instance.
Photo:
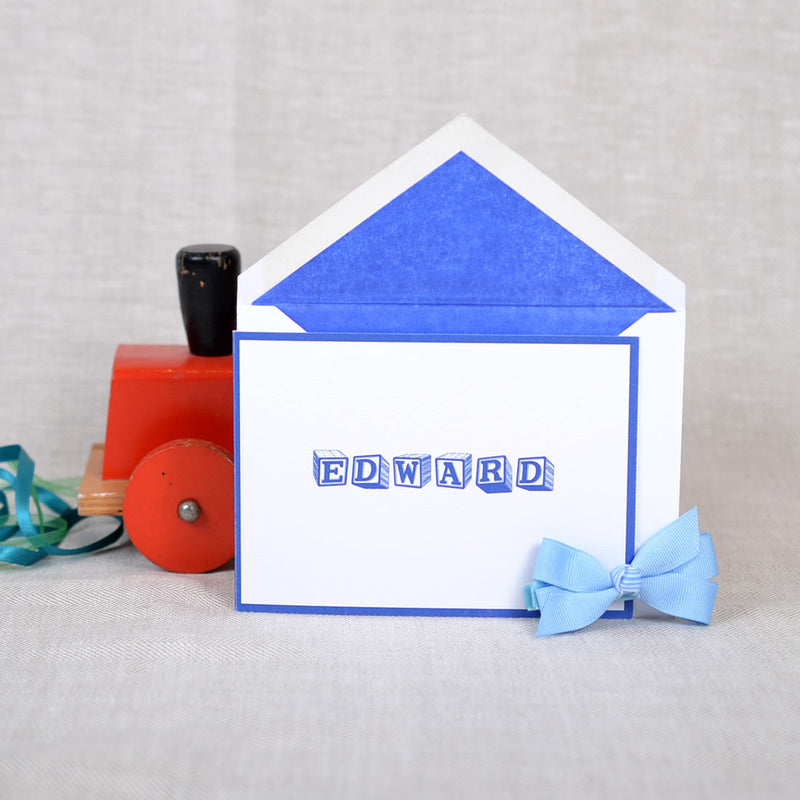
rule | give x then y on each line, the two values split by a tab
633	396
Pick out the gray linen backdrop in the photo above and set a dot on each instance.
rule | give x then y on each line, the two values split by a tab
129	130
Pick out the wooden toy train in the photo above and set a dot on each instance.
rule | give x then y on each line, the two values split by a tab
166	464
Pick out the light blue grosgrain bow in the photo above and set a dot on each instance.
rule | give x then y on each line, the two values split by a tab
671	572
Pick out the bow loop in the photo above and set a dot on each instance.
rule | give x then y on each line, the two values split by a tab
672	546
671	572
704	565
560	612
681	596
569	568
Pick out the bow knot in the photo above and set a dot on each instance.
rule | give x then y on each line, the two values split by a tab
671	572
627	580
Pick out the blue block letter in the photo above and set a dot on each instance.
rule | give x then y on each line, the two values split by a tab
454	470
330	468
371	472
494	475
535	474
412	470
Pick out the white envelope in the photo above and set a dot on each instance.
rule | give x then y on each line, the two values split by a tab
454	362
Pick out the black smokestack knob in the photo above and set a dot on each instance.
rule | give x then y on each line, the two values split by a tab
207	287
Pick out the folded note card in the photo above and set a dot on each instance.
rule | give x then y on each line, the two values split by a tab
451	364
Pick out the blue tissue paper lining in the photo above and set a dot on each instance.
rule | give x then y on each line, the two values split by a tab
458	251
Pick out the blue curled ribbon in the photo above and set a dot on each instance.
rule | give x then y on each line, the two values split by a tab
671	572
23	541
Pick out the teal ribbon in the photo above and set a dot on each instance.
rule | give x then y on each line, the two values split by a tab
671	572
24	541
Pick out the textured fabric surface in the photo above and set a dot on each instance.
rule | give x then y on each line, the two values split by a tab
129	131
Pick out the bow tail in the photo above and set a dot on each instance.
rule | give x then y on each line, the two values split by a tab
680	595
562	610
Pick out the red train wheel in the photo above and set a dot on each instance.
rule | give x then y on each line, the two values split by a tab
178	507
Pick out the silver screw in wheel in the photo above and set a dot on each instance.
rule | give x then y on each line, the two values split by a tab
189	510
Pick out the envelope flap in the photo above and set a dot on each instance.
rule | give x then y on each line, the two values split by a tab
462	236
